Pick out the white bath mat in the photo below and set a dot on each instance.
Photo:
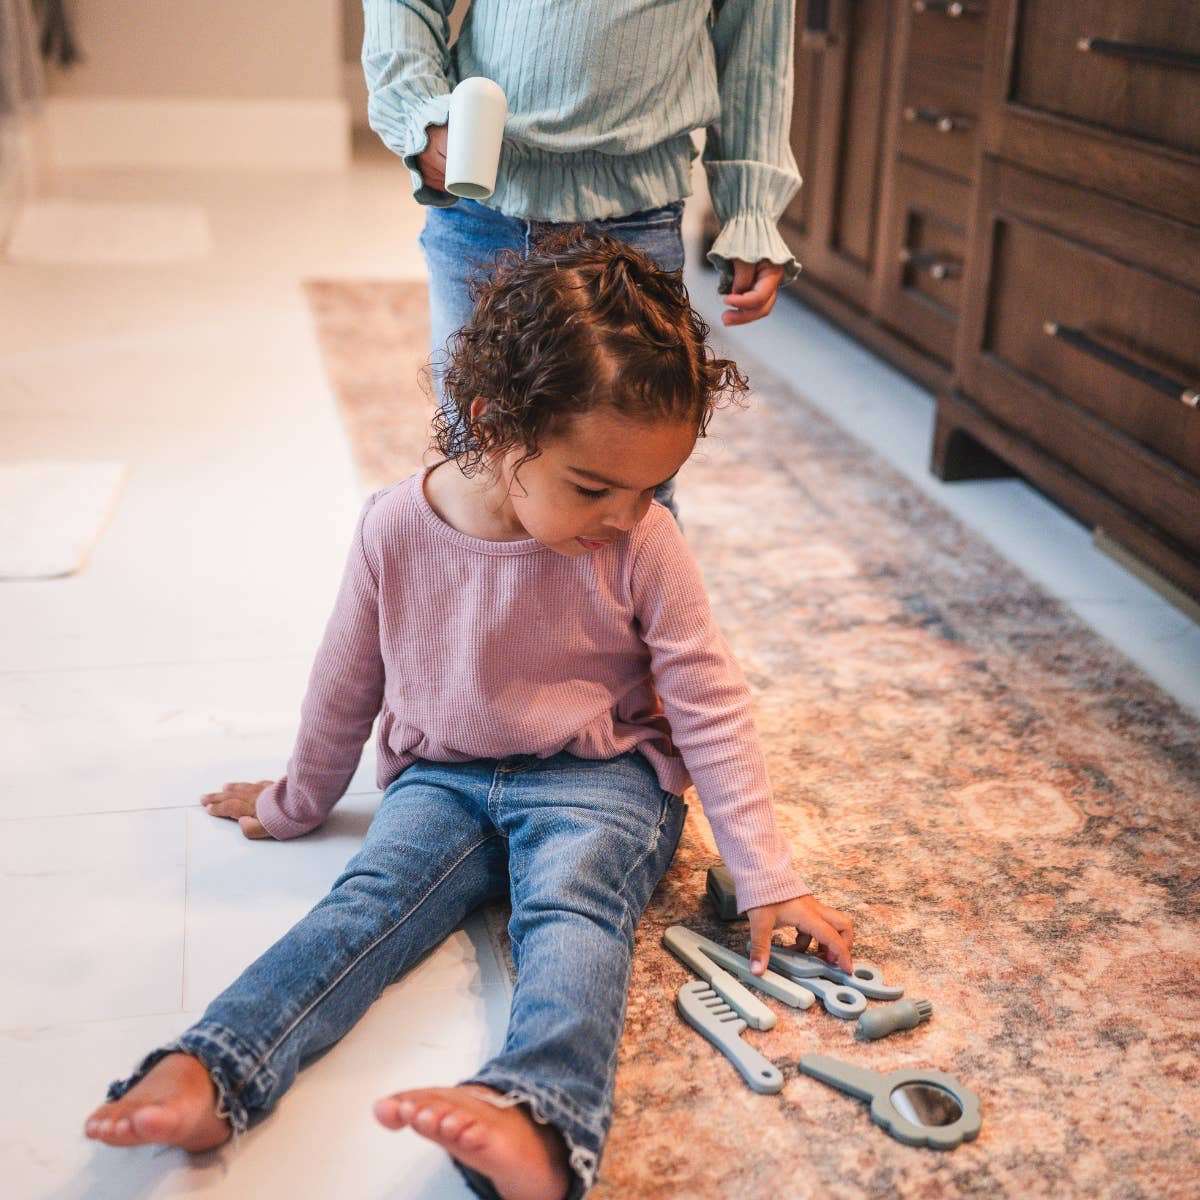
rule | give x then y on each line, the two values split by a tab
71	231
52	514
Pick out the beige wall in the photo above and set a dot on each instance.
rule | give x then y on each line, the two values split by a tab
231	49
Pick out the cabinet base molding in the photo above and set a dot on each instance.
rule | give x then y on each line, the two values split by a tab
959	418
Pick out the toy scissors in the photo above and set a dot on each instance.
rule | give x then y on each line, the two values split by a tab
844	997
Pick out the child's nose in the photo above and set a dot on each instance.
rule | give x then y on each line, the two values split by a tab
622	520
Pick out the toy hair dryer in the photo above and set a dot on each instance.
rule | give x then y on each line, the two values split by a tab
475	132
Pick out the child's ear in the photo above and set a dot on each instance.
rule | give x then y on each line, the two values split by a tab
478	408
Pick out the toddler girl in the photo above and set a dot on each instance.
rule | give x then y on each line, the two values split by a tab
533	634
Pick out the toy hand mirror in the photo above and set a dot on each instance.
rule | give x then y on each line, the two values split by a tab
918	1107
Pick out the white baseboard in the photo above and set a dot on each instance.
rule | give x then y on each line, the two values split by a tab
272	135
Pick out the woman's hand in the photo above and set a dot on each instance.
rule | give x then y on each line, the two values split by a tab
752	294
235	801
833	930
432	160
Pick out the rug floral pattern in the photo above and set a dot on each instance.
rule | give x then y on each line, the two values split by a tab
1009	809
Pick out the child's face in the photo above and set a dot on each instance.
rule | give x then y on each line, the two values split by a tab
562	499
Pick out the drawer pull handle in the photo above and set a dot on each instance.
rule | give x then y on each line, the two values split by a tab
947	8
1150	54
938	267
1147	375
942	122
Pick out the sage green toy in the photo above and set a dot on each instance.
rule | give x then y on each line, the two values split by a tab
865	977
722	894
904	1014
707	1013
920	1107
840	1000
717	965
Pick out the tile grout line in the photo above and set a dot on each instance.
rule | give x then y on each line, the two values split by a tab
141	666
111	812
187	865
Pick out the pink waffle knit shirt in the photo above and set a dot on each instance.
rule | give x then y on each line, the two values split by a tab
466	648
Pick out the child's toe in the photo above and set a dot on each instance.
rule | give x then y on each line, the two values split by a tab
472	1135
387	1113
154	1123
429	1116
122	1133
91	1127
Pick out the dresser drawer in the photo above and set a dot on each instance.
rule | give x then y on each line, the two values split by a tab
1130	68
1082	337
939	116
923	250
952	30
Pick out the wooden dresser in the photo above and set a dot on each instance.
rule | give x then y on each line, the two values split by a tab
1003	198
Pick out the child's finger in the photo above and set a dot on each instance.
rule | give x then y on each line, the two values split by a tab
253	828
828	937
840	921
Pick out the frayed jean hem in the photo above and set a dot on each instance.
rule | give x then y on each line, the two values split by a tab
583	1138
228	1061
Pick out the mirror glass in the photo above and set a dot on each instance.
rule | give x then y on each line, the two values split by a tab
926	1104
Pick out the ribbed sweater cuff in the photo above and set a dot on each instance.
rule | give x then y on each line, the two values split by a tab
402	126
274	821
769	887
752	237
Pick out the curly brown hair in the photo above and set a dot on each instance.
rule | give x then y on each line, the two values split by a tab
583	320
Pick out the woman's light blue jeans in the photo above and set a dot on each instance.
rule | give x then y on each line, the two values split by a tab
460	239
578	845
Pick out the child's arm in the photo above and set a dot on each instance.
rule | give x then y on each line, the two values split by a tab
345	692
752	173
405	57
708	707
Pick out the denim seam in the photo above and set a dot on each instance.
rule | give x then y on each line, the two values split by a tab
261	1063
649	850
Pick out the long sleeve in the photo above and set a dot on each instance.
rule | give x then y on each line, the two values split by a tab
752	174
406	61
345	693
708	707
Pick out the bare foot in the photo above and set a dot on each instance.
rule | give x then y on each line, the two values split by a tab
524	1159
174	1103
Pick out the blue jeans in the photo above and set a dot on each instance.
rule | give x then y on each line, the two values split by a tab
465	236
578	844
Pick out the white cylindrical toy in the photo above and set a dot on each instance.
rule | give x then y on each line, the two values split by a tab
478	108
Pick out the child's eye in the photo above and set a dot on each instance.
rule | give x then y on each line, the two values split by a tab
587	492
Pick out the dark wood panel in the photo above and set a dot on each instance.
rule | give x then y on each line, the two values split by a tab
1151	174
960	422
940	116
888	344
835	231
939	32
856	218
923	255
1117	84
1063	260
1105	423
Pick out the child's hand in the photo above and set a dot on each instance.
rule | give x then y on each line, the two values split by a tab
432	160
236	802
833	930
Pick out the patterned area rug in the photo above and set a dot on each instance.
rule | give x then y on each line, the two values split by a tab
1009	809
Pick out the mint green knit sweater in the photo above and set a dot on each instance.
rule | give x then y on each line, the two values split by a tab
603	96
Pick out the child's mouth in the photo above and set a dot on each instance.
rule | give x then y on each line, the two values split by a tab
591	543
